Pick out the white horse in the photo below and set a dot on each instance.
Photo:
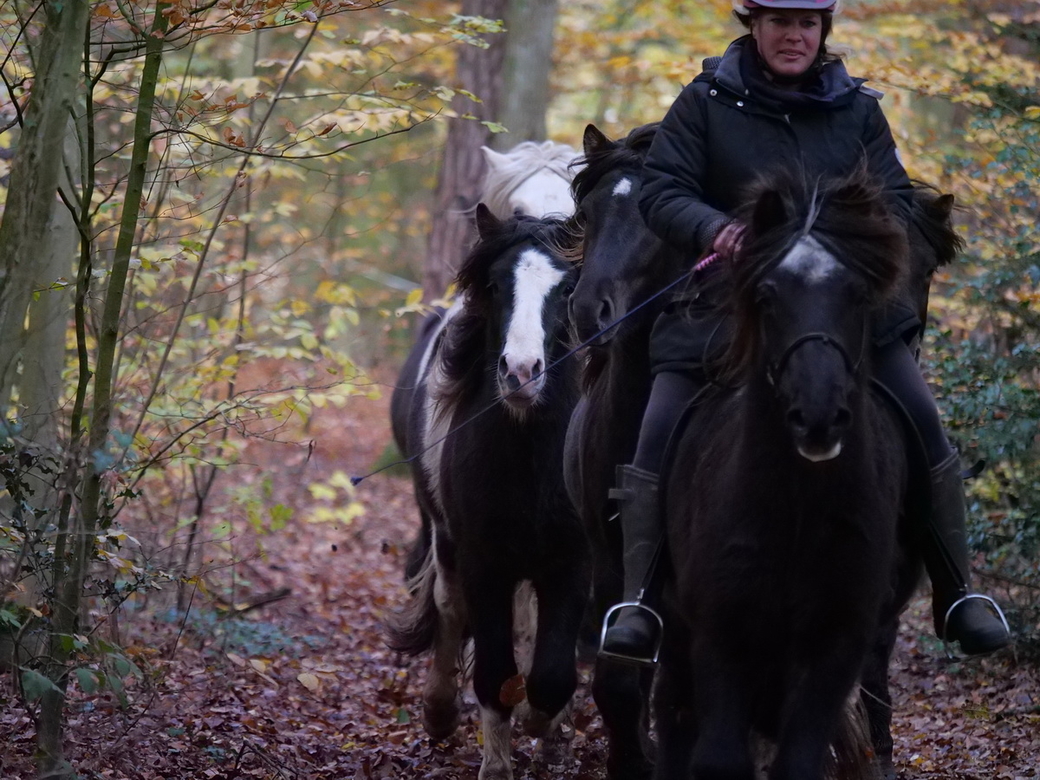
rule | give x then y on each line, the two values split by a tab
532	178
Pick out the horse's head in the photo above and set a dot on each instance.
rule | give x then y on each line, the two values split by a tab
816	263
531	179
518	282
619	251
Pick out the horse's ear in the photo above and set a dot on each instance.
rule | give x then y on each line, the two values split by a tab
593	140
487	223
494	159
942	206
769	213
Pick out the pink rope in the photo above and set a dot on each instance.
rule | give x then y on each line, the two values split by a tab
712	258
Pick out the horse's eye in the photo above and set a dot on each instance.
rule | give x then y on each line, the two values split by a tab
568	289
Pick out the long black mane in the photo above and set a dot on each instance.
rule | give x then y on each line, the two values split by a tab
934	225
464	342
848	216
626	153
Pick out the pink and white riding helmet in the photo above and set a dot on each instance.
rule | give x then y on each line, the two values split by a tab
746	6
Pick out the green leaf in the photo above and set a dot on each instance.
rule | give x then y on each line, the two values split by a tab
88	680
124	667
402	716
34	685
10	619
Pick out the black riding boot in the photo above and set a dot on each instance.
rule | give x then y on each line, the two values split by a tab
636	634
969	618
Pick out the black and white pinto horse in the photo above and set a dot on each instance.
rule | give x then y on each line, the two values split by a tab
531	179
489	414
623	266
785	495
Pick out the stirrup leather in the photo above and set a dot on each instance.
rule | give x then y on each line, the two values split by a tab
946	620
608	623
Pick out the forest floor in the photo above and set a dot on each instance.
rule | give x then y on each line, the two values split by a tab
304	686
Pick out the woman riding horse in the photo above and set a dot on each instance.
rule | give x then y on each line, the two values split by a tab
777	97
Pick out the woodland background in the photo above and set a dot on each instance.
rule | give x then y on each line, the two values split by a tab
198	335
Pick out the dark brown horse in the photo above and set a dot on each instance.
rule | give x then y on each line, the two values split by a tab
786	493
933	243
623	266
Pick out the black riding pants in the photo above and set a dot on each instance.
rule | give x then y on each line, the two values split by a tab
894	366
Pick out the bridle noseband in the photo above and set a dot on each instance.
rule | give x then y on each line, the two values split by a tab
775	370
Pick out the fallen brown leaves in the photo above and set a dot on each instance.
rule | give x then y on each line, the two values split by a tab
331	702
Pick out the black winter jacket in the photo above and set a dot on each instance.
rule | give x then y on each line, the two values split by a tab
731	125
725	129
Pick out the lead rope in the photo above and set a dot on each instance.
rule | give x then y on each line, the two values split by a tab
357	480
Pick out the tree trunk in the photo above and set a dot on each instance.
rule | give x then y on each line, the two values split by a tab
525	75
31	194
40	392
75	535
462	168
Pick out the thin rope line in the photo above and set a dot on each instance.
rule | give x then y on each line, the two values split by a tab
357	480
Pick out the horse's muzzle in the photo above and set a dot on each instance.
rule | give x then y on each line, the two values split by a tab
521	383
593	320
820	438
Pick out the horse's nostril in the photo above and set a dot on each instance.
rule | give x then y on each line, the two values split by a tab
503	366
842	419
537	368
796	419
606	312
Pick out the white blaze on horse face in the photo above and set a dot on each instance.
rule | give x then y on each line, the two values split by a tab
542	194
622	188
523	354
810	261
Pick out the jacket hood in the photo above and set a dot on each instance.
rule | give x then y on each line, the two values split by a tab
741	73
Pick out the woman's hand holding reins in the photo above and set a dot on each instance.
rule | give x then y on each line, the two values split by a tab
729	240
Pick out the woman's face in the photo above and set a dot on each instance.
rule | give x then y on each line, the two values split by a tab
788	39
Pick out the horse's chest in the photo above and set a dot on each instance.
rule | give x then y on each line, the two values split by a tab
507	491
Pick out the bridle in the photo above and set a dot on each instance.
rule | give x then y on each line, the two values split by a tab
775	370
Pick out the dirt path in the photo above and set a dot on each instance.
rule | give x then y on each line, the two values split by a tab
305	688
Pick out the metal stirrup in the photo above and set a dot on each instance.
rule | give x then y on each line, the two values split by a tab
631	658
996	609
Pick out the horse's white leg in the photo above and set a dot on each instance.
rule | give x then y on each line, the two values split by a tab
441	694
498	746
